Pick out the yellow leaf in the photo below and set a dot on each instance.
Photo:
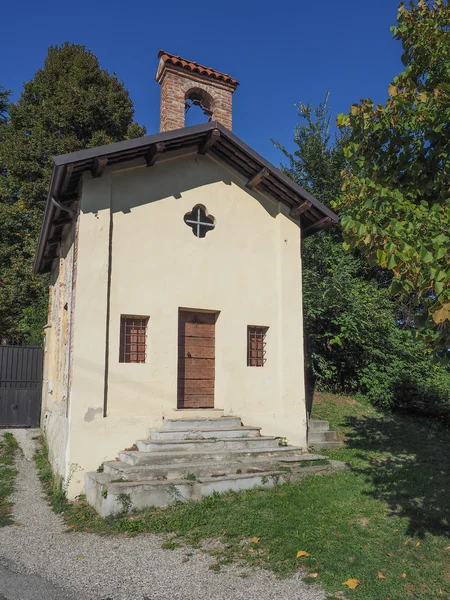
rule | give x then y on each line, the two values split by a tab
80	556
352	583
392	90
418	544
404	575
302	553
313	575
443	313
380	575
255	540
251	550
448	548
422	97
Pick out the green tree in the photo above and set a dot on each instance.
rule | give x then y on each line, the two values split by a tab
359	338
4	97
395	205
70	104
340	291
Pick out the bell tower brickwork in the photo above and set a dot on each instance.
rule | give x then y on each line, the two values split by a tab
183	81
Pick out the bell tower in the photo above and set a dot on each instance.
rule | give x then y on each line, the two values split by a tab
185	83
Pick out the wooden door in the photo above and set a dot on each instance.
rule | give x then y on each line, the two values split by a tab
196	371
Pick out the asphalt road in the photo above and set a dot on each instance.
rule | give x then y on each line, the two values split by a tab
20	586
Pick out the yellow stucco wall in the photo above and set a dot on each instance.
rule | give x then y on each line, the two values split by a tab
248	269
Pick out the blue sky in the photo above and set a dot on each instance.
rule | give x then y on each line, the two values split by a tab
281	52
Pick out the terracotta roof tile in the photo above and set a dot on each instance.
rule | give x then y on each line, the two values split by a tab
172	59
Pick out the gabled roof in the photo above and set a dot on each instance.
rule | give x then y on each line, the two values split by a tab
189	65
212	138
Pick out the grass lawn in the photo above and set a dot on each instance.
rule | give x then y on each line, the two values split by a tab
8	450
385	523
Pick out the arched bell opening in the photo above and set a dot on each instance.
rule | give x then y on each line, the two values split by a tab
198	107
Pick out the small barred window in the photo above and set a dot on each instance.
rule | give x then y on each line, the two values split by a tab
256	346
133	339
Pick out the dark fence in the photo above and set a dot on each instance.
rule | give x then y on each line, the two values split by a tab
20	384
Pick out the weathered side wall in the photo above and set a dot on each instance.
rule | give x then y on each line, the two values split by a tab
248	269
56	383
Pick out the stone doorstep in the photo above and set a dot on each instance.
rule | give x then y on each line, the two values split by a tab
204	468
178	471
201	422
212	454
322	436
204	433
210	451
316	425
105	495
219	443
326	445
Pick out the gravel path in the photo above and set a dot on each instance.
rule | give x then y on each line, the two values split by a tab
90	567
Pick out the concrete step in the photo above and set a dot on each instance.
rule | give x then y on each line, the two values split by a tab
120	469
207	453
214	445
321	436
316	425
200	433
199	423
326	445
108	496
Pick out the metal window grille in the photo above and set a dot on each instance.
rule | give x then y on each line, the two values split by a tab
256	346
199	222
133	339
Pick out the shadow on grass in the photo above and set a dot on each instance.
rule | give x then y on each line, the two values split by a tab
408	466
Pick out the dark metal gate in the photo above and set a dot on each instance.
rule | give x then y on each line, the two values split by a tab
20	385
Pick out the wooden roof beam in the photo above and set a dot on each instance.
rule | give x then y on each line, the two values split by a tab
98	166
63	208
257	178
66	178
322	223
212	139
154	152
296	211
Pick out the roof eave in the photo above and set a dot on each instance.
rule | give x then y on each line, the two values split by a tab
288	191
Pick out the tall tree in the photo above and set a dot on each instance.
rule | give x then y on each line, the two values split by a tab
358	338
70	104
4	96
395	204
340	291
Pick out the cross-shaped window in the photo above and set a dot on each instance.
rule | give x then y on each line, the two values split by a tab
199	221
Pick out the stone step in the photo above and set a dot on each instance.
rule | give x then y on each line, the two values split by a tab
199	433
214	445
321	436
108	496
120	469
208	453
199	422
316	425
326	445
